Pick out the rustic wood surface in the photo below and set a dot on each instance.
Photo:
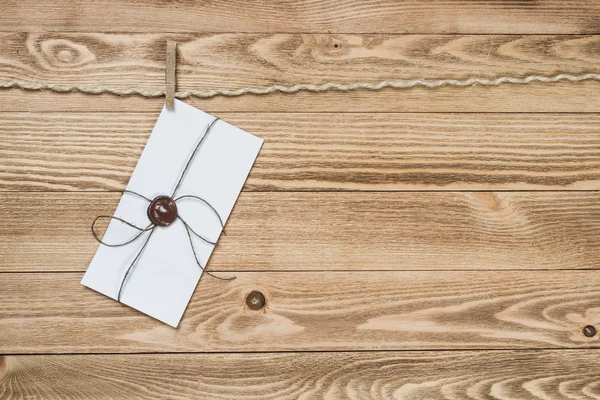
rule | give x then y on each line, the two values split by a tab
335	231
98	151
307	311
408	16
126	60
257	60
383	375
409	244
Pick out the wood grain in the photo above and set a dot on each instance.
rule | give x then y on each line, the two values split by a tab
311	311
83	151
417	288
568	374
384	16
232	61
335	231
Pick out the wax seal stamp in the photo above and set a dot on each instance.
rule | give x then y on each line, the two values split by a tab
162	211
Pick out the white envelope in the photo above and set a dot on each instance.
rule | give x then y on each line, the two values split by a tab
165	276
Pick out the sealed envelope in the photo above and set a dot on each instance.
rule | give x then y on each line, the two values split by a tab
180	195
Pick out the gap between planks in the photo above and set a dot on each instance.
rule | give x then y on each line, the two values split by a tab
306	352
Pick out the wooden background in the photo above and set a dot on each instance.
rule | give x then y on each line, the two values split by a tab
416	244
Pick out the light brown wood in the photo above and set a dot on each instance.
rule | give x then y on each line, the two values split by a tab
311	311
412	16
568	374
233	61
386	273
335	231
57	151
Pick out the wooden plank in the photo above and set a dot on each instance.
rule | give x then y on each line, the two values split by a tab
233	61
378	375
58	151
413	16
53	313
335	231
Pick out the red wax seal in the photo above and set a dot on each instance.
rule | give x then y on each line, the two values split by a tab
162	211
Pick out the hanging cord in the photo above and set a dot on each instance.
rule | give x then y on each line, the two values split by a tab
304	87
150	228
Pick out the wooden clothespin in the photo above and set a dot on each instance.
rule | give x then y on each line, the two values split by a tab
170	74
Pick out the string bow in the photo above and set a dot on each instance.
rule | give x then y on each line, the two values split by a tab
162	212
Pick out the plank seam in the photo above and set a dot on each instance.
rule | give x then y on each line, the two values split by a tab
440	350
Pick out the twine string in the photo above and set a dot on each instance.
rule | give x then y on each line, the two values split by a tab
396	84
189	231
133	264
150	228
137	194
187	165
303	87
189	196
141	230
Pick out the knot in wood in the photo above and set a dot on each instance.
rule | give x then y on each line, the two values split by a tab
255	300
589	331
